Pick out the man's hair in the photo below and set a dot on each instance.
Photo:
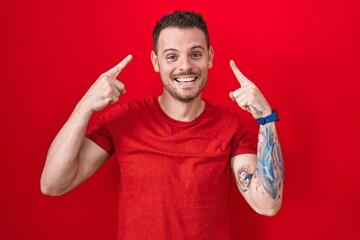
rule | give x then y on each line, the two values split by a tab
180	19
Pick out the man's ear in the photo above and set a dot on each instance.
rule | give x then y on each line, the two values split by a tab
155	61
211	57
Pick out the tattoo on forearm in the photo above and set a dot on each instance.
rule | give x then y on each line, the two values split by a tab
257	111
244	176
270	169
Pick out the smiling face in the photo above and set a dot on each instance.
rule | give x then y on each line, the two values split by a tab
183	60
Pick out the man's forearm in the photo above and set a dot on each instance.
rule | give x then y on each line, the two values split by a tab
62	160
63	169
269	173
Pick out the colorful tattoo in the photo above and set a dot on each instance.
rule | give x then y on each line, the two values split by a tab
244	176
270	168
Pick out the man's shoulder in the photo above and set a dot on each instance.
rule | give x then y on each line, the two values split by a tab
134	104
129	109
220	111
138	102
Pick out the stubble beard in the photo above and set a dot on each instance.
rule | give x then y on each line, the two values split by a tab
186	98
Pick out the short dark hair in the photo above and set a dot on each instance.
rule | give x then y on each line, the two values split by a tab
180	19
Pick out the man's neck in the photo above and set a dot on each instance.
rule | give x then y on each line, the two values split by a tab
181	111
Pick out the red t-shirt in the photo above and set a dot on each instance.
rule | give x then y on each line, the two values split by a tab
174	176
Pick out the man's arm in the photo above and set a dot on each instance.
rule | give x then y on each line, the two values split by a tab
72	158
259	177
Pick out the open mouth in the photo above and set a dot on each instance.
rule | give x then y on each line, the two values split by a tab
185	79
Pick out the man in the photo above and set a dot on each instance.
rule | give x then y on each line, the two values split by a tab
175	151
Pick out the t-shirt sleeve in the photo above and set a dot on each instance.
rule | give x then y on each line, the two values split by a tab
100	135
243	141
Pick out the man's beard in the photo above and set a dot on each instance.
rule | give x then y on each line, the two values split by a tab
179	97
187	97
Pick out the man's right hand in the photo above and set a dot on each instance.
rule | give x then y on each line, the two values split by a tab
106	89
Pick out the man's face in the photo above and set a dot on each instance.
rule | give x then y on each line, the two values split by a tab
183	60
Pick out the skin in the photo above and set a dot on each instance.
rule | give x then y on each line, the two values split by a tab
182	53
263	194
73	158
183	60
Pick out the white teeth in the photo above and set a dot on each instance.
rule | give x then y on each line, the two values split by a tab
187	79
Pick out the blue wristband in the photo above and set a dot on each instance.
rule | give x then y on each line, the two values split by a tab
270	118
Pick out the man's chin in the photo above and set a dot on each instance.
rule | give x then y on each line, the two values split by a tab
186	98
185	95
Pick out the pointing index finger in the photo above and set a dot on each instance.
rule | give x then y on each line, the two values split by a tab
114	72
239	76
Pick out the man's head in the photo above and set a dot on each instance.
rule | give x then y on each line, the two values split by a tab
182	20
182	54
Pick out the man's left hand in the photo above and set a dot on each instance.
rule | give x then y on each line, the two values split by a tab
248	96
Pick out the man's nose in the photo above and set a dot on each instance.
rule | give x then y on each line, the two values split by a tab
185	64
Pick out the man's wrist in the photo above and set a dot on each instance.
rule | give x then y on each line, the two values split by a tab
82	109
269	118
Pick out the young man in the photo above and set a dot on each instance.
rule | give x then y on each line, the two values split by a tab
175	151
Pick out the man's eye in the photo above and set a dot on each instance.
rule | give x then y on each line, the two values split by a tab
196	55
171	57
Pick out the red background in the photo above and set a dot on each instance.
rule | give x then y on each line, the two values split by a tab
303	55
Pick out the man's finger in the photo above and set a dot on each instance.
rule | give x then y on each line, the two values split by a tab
231	95
239	76
114	72
119	86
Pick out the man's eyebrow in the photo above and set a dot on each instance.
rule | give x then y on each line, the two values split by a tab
197	46
175	50
170	50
